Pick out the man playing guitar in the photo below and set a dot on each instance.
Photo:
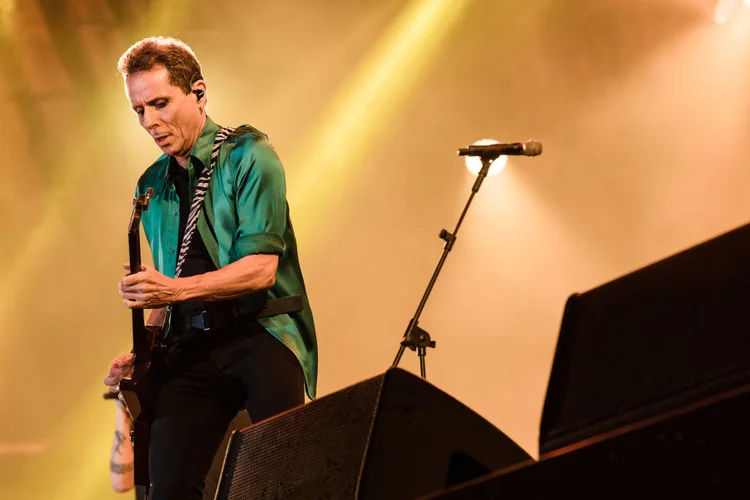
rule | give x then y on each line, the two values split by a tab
226	284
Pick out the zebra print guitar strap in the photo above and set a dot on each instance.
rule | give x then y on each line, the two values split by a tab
198	197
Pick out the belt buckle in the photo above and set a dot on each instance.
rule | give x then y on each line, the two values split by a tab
204	320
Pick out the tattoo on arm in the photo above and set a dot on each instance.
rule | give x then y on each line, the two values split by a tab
121	468
120	438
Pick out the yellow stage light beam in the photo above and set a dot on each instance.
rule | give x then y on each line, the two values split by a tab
360	109
365	103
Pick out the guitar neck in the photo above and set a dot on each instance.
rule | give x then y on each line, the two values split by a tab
136	389
134	250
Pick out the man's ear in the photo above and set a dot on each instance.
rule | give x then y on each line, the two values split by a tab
199	89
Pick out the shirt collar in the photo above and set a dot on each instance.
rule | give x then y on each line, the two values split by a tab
205	143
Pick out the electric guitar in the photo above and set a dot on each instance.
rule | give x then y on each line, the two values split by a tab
138	390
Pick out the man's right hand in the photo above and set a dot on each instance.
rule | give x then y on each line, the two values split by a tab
118	368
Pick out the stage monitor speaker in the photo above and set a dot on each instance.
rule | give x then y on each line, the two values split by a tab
664	336
649	394
394	436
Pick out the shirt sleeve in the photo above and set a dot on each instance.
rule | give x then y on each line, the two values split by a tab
261	200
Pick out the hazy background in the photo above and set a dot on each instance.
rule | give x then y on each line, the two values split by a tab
642	107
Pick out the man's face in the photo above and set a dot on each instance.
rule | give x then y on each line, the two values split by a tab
174	120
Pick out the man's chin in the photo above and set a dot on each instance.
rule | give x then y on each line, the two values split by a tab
167	150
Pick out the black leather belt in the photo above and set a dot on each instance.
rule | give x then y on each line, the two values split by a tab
215	318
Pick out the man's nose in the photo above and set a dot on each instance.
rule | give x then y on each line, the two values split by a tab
150	118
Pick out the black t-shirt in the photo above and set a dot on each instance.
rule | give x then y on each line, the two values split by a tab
198	260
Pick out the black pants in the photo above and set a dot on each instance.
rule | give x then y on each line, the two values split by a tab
209	377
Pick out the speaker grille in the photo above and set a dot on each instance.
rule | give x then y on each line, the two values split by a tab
281	458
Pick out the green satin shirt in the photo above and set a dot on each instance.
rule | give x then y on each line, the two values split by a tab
245	213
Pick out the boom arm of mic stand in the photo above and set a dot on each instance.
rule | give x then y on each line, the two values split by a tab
415	337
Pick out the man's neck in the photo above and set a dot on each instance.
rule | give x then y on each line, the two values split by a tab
183	160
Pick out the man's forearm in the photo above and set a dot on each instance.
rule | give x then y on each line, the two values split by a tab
121	459
247	275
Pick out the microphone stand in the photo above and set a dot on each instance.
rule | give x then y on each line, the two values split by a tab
415	337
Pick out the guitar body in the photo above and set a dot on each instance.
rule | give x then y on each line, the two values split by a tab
139	394
139	390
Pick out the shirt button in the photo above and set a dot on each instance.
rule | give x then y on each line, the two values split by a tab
172	250
174	212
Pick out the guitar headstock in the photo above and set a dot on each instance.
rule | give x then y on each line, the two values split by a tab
139	205
143	200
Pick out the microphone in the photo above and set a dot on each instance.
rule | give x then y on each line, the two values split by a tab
527	148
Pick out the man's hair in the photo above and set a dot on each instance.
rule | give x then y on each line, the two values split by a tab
175	55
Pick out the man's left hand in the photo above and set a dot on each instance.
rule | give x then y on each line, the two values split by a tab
147	289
